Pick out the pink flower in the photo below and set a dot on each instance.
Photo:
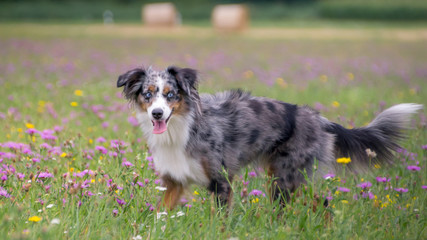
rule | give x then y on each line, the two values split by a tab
133	121
31	131
45	175
140	184
115	212
343	189
401	190
21	176
101	140
101	149
368	194
413	168
365	185
4	193
252	174
45	146
329	175
256	192
120	202
383	179
126	163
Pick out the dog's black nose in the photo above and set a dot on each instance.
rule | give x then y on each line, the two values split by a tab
157	113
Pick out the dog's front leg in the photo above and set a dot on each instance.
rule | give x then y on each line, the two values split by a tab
172	194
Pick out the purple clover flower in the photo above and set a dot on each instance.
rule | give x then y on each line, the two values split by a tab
126	163
45	146
133	121
329	175
32	131
20	176
401	190
4	193
256	192
3	177
365	185
101	149
45	175
383	179
252	174
120	202
343	189
368	195
413	168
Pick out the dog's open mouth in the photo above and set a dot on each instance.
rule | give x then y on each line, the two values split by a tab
160	126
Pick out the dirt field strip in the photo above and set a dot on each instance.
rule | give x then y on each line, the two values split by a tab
138	31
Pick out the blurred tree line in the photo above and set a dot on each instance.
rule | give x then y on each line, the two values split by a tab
195	11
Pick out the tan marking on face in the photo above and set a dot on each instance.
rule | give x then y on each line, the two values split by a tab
152	88
179	107
166	90
145	105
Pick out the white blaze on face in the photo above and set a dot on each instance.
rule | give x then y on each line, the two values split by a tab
159	102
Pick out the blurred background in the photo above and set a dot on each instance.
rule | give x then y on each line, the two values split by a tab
198	12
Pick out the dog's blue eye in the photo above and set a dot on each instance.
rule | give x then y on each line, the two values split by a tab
148	95
170	95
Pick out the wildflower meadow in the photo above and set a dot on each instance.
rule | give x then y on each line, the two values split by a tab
74	165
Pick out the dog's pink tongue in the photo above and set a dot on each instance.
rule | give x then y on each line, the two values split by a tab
159	127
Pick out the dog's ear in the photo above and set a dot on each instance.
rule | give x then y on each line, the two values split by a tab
185	77
132	82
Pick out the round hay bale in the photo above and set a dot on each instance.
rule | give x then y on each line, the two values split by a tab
230	17
160	15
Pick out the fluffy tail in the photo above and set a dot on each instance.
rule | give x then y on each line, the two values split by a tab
381	135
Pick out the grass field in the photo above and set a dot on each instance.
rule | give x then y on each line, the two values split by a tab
74	165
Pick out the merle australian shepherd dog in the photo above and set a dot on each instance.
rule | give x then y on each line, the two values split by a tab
195	137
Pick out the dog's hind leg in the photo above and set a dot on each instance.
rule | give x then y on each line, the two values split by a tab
284	178
222	189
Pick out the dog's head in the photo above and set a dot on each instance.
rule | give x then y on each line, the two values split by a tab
161	94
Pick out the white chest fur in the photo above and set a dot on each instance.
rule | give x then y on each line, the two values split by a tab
170	156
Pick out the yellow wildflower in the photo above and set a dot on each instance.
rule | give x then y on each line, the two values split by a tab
335	104
343	160
323	78
34	219
63	154
344	201
282	83
29	125
74	104
71	170
248	74
196	193
78	92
